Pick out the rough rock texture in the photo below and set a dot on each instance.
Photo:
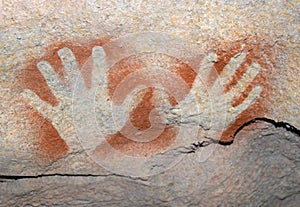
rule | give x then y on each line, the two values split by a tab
254	45
260	169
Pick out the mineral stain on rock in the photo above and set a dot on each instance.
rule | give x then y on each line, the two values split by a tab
139	116
50	144
53	146
256	52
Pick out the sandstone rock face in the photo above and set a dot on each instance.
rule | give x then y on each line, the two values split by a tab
149	104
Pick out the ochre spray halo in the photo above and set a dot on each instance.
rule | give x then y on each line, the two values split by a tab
94	140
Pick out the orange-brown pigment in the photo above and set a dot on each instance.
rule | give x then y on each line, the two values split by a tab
51	145
256	52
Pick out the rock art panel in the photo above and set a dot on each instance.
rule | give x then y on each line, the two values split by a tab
96	111
170	86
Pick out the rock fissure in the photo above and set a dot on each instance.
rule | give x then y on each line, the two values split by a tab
5	178
187	150
277	124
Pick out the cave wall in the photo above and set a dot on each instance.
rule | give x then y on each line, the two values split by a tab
220	85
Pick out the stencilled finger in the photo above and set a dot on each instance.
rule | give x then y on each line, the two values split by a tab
121	112
161	100
206	65
34	101
70	64
51	77
230	69
200	90
99	56
202	75
115	120
99	67
247	78
253	95
133	98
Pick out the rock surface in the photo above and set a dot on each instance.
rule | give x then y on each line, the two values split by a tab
44	160
260	169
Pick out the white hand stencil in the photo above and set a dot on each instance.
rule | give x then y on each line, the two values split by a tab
61	115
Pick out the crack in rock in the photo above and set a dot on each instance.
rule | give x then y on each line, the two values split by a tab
5	178
186	150
277	124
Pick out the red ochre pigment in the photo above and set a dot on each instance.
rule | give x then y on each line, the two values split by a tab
260	54
51	144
